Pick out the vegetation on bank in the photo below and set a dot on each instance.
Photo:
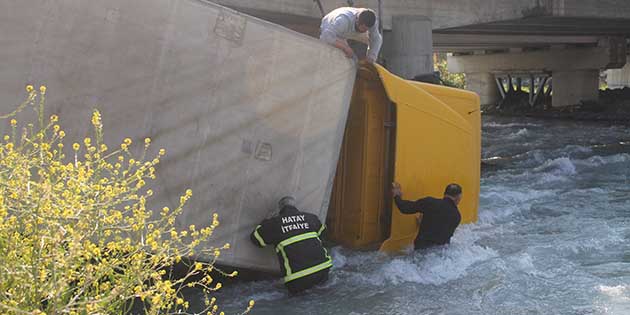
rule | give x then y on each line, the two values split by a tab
76	233
456	80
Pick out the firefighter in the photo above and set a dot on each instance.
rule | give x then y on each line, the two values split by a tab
295	234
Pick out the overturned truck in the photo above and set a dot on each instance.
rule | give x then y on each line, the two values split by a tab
249	112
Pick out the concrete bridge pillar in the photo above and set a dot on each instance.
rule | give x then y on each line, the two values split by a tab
573	87
484	84
618	78
408	48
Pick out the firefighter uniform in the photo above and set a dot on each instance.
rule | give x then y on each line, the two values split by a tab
303	259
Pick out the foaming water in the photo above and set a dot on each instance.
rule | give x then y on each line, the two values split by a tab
435	266
553	237
621	292
491	124
559	166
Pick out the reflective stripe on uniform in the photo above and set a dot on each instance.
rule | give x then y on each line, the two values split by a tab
258	237
287	267
321	229
295	239
326	253
306	272
298	238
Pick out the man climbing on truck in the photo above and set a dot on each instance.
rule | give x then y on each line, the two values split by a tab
303	259
440	217
346	23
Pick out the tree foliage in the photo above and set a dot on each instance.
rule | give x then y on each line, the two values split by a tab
76	234
456	80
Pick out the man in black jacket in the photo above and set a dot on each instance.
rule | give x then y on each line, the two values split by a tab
295	234
440	217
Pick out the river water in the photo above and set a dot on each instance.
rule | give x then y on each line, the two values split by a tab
553	237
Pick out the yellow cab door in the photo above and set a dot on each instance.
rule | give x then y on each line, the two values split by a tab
359	212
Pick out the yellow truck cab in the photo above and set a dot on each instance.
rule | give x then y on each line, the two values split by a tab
421	135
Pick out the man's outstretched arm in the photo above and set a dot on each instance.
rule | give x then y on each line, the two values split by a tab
406	206
376	41
261	234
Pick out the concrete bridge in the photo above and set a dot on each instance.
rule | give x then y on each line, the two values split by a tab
569	41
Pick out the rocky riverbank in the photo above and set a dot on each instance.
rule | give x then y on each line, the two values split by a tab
612	106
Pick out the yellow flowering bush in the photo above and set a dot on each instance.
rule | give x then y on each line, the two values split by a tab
76	235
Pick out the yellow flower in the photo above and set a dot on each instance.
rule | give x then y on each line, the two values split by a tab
198	266
76	146
29	88
105	286
127	141
62	134
87	142
54	118
42	89
13	122
162	152
96	118
6	138
208	279
43	275
180	301
156	299
123	146
147	140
